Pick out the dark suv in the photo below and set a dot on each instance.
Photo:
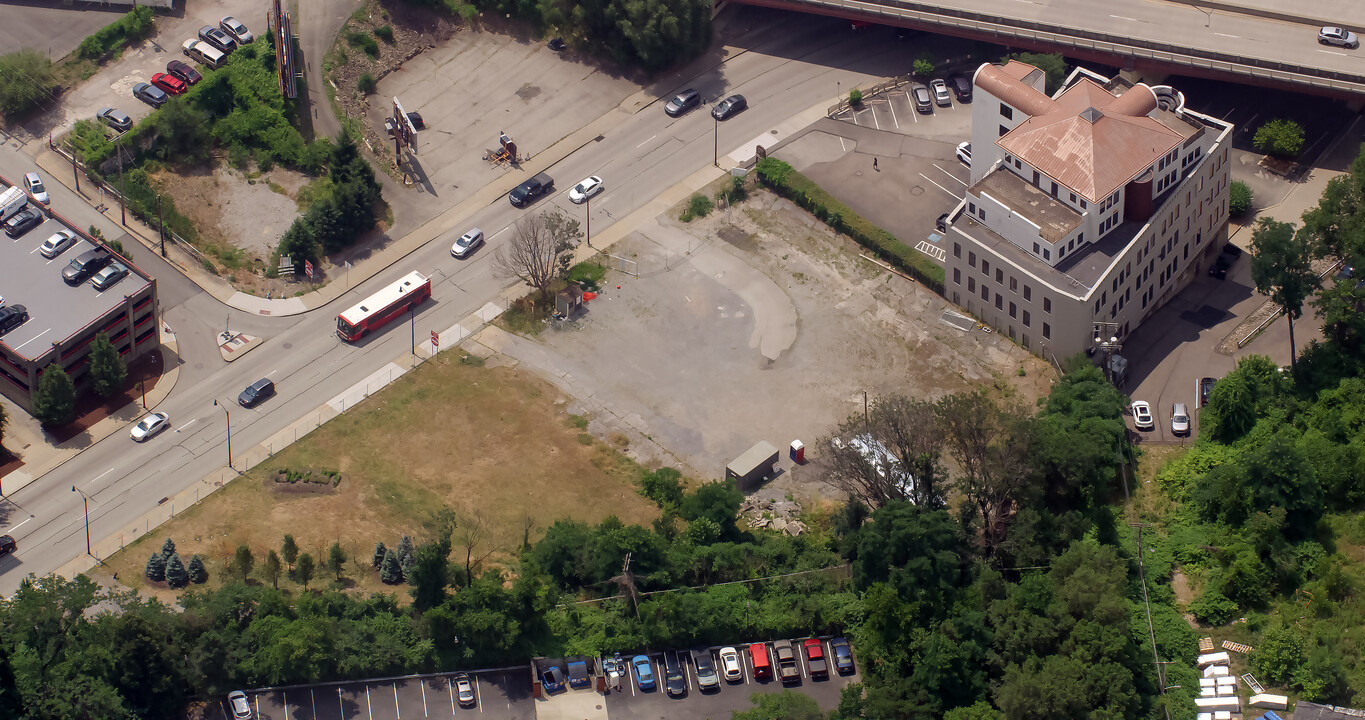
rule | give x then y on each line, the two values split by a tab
524	193
86	264
12	317
7	545
23	221
256	392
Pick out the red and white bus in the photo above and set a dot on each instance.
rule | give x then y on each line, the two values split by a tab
378	309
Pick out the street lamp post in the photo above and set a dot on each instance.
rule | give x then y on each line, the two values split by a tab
412	326
227	415
122	204
160	225
715	141
588	216
86	500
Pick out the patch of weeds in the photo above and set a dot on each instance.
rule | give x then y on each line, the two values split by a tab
578	421
471	360
384	33
277	188
209	266
525	316
355	38
589	275
700	205
365	84
584	439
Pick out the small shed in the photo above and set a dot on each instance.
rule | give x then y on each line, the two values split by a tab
754	465
568	301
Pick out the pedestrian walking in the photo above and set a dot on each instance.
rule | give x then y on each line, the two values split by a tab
874	164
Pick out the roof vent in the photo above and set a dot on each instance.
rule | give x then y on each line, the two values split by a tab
1093	115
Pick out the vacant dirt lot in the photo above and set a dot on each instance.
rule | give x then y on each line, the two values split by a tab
495	440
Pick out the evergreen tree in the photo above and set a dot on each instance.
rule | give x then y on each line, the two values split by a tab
107	369
176	576
272	568
54	402
156	568
336	560
304	571
290	551
407	567
197	572
391	572
243	561
378	558
168	548
404	549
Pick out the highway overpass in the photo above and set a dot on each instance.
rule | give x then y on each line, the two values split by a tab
1256	42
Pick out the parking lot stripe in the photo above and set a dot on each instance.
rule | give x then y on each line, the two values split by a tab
940	187
424	698
945	172
397	711
341	703
368	707
450	690
892	107
312	698
478	696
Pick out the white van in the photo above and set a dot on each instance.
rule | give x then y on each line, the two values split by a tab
203	52
12	200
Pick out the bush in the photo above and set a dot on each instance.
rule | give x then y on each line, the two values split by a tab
1213	608
390	571
359	39
1281	138
923	66
366	83
1239	198
384	33
700	205
130	28
54	402
855	96
378	558
787	182
27	79
168	548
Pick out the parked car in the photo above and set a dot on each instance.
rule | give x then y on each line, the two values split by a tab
109	277
920	95
941	96
1180	419
34	186
169	83
256	392
7	545
60	242
1339	37
217	38
644	672
685	100
116	119
203	52
184	71
528	191
85	265
1142	415
241	709
730	665
236	30
150	94
583	191
1205	390
12	316
675	681
1219	268
760	661
964	153
815	658
729	107
707	678
843	655
23	221
556	44
466	243
962	87
151	425
787	668
464	689
1232	251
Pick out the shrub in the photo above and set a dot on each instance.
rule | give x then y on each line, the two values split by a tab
1239	198
384	33
26	80
176	576
391	572
54	402
359	39
1281	138
855	96
924	66
168	548
197	572
243	561
365	84
130	28
1213	608
156	568
700	205
378	558
787	182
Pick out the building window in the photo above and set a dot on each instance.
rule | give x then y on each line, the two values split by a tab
1025	341
1014	284
986	268
956	300
1003	130
999	277
971	258
999	301
1013	310
971	208
1073	198
1081	238
957	250
1054	189
1082	203
1186	253
1035	177
1028	292
1006	111
1037	249
985	292
1047	331
1047	254
1026	318
971	284
957	276
1047	304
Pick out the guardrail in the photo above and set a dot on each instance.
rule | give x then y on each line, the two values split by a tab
874	90
1252	68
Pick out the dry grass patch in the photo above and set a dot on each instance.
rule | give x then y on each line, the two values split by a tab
495	441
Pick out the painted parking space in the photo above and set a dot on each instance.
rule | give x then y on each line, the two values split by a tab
499	695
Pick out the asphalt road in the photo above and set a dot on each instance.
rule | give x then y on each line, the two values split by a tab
782	75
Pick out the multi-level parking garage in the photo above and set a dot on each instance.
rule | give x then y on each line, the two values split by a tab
1258	42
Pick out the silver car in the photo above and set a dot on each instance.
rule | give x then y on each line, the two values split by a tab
1180	420
1339	37
941	95
60	242
464	690
236	30
467	243
241	709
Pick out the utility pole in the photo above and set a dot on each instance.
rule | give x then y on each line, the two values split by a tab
715	141
1107	342
160	225
122	203
86	500
229	430
589	220
75	173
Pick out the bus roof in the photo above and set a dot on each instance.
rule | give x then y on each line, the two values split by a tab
385	297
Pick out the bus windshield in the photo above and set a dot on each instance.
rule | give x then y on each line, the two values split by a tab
344	327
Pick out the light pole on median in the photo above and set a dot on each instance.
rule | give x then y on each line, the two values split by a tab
227	415
715	140
588	216
86	499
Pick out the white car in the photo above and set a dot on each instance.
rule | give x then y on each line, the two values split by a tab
150	425
942	97
34	185
586	189
1142	415
241	709
60	242
1180	419
464	690
964	153
467	243
729	664
1339	37
236	30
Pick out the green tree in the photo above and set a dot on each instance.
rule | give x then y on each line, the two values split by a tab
242	562
289	550
991	446
718	502
180	132
168	548
378	558
336	560
1281	267
663	486
786	705
176	576
146	660
303	572
107	369
1053	66
1279	137
429	576
156	568
1239	198
272	568
981	710
1278	655
920	553
27	80
196	570
923	66
1082	440
391	571
4	420
54	402
405	549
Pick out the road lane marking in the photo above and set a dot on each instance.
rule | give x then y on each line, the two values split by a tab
16	527
191	422
940	187
313	698
1121	17
478	696
423	686
945	172
340	702
106	472
892	107
1332	52
35	337
651	137
1235	37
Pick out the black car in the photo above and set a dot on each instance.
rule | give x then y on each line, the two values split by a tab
1232	251
183	71
23	221
86	264
728	107
962	87
256	392
675	682
150	94
843	655
12	316
217	38
1205	390
7	545
686	100
1219	269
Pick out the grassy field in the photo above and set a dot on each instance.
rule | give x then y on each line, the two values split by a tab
495	442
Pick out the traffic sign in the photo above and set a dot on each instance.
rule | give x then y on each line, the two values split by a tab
308	268
435	341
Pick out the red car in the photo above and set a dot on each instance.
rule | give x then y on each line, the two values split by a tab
170	83
184	72
815	658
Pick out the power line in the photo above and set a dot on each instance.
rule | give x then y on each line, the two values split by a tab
708	585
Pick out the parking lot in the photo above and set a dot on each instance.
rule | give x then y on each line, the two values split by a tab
499	695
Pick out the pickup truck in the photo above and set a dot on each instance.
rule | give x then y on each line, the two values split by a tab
523	194
787	668
815	658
